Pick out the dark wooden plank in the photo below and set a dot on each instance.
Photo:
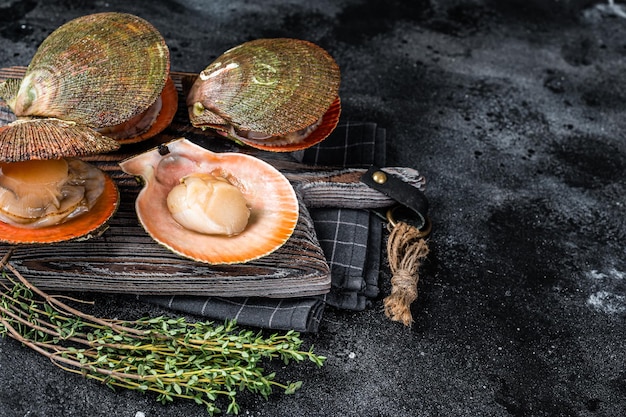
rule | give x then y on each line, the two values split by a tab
125	259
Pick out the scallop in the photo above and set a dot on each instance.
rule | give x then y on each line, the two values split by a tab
105	71
277	94
47	195
94	83
237	207
54	200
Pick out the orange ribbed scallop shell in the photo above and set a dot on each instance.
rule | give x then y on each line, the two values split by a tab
271	199
81	227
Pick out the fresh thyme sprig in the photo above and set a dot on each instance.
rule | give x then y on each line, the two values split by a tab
199	361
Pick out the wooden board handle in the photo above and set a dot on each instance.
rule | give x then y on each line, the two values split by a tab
342	188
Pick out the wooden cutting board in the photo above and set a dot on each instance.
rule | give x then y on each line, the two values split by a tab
124	259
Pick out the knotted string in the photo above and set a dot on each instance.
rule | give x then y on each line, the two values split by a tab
406	250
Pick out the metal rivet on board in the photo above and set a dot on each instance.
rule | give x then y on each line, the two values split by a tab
379	177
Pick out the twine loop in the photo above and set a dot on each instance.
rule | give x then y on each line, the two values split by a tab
406	250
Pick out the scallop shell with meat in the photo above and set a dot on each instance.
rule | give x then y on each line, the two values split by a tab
277	94
51	201
56	198
271	202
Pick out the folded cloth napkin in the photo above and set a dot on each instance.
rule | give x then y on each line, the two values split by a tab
349	238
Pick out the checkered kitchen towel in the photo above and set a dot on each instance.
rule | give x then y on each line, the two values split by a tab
349	238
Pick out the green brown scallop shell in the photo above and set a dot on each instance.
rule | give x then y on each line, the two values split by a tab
275	86
97	70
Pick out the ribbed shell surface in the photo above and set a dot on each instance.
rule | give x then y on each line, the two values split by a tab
50	138
98	70
275	86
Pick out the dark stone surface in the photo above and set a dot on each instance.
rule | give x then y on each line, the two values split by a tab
515	113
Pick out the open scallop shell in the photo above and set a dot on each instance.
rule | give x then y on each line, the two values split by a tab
81	227
272	86
271	198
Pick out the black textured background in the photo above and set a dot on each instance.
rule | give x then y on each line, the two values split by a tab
515	113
